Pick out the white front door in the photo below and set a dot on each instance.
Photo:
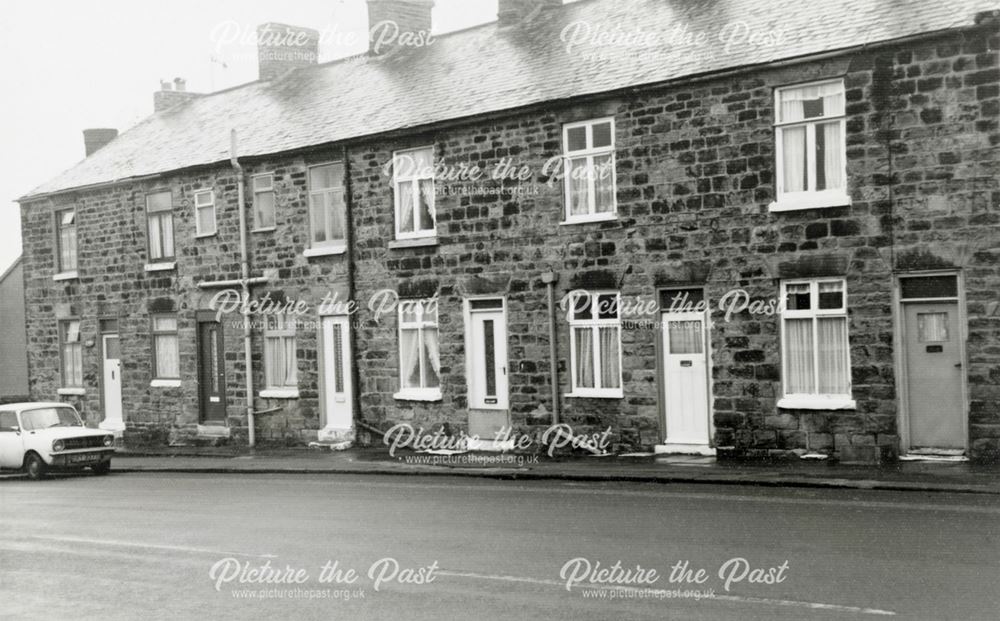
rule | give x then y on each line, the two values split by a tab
934	376
487	355
338	391
112	380
685	366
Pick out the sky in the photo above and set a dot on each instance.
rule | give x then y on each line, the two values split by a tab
71	65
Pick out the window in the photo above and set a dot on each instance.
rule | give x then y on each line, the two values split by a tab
8	421
159	215
589	170
814	336
327	211
810	134
204	213
72	353
419	354
263	202
166	356
66	226
595	344
413	181
280	359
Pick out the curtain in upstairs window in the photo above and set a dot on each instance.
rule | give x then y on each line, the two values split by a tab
793	145
405	207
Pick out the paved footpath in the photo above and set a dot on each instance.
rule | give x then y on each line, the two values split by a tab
912	476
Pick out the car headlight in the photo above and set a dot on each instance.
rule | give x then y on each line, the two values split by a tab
109	440
58	445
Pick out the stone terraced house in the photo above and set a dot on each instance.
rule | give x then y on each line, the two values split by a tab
736	226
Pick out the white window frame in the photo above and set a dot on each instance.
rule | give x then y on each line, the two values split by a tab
816	400
420	325
327	246
205	199
279	329
63	268
70	348
414	180
590	152
157	333
594	324
163	215
810	198
254	190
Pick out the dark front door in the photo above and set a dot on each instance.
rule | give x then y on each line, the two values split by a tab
211	372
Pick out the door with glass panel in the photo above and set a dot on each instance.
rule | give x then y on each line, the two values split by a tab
488	355
932	340
211	371
685	368
112	382
337	386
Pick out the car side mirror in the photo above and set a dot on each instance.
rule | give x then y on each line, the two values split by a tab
16	429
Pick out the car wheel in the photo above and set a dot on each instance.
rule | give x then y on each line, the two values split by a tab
102	468
34	466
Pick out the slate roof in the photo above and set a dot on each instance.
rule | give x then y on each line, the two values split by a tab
490	68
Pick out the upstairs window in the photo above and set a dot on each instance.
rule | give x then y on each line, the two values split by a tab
160	219
204	213
327	210
263	202
595	344
66	239
281	365
71	354
814	336
413	182
166	348
589	170
810	131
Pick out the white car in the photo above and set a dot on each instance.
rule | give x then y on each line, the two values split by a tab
38	437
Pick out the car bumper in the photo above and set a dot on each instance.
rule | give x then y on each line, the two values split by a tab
81	459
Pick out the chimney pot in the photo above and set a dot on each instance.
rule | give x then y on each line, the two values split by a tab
281	48
171	94
95	138
393	24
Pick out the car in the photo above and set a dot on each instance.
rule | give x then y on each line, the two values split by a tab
42	437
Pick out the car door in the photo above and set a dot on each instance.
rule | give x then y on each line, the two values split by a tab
11	446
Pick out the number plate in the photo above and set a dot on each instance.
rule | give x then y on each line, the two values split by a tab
82	459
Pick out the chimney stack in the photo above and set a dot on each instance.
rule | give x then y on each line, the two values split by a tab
281	48
394	24
171	94
94	139
517	11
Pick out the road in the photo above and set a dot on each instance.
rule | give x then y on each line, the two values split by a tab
176	546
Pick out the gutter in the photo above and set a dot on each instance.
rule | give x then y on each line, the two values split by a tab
244	285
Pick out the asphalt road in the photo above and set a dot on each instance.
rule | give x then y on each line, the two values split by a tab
181	547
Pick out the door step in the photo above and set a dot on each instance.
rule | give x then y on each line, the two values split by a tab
683	449
213	431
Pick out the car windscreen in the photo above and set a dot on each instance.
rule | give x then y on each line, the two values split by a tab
43	418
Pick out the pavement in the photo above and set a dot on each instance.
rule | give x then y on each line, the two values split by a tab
927	476
169	546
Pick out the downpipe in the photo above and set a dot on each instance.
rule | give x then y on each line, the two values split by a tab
244	286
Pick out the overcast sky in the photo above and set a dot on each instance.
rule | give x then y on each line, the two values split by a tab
70	65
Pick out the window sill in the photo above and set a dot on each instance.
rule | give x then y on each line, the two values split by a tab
74	275
279	393
415	242
429	394
596	394
266	229
597	217
165	383
324	251
810	201
206	235
74	392
160	267
817	402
